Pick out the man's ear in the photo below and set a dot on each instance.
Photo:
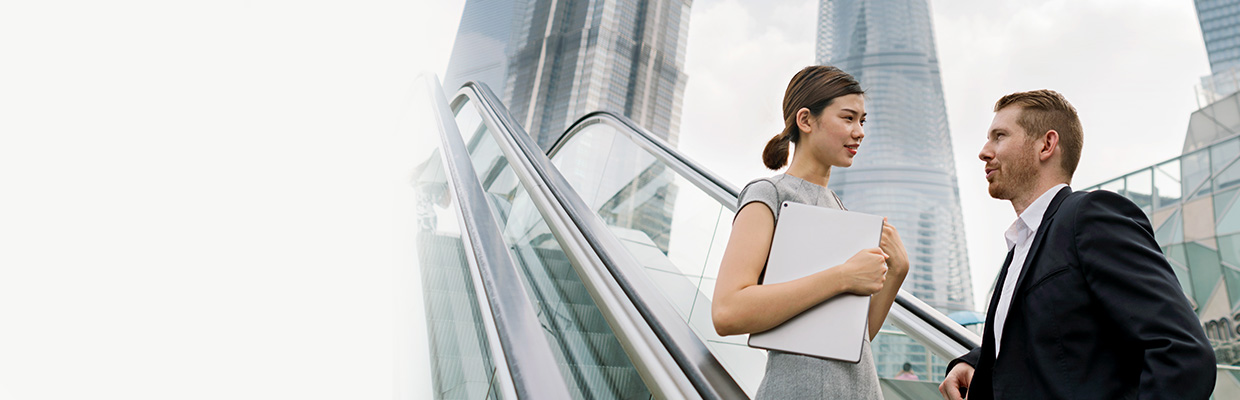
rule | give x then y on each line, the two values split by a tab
1049	145
804	118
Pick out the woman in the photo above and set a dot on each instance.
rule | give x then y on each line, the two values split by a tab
823	114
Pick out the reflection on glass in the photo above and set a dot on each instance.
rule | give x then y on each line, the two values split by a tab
461	361
591	360
1222	161
1204	270
1167	184
1228	216
1116	186
893	348
1179	263
1140	189
1196	169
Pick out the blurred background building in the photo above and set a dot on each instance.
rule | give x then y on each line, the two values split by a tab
1220	27
907	170
552	61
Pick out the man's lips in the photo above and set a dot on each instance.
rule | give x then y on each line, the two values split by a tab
990	171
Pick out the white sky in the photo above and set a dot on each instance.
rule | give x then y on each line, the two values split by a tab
210	200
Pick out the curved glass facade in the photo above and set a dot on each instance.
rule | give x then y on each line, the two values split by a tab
905	170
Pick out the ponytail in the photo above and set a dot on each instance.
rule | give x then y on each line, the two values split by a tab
775	155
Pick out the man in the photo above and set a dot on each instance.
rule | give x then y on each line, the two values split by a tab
1086	306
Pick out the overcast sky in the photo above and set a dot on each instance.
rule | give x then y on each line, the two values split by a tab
210	200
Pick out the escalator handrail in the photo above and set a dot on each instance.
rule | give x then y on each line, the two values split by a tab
692	358
525	350
940	322
664	152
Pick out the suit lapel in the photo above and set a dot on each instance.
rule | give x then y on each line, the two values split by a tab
1038	238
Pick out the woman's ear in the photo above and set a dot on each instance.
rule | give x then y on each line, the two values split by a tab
805	120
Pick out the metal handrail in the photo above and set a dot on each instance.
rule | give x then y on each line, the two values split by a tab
944	336
526	354
701	177
672	357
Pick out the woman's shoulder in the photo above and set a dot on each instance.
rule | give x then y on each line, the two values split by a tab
768	185
772	181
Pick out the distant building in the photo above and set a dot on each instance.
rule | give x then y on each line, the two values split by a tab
565	58
483	43
906	170
1220	27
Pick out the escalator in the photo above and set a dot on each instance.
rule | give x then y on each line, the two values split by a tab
586	271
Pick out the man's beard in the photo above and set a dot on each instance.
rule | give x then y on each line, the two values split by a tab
1016	175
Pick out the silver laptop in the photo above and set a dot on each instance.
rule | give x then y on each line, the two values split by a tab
809	239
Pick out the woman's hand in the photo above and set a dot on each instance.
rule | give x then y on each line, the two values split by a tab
894	247
865	272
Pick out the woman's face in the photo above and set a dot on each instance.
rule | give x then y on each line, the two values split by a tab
835	135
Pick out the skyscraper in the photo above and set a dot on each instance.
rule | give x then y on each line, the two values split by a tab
906	171
565	58
483	42
1220	27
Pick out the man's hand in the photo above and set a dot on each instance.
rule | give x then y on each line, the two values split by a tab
959	377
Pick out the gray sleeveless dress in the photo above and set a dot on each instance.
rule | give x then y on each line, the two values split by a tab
794	376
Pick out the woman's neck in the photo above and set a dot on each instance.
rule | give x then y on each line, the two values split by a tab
811	172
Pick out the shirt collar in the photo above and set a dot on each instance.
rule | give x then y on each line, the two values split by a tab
1031	219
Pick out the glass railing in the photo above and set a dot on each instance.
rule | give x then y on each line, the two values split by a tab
613	335
675	230
590	360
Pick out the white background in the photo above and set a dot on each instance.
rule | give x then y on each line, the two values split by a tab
210	200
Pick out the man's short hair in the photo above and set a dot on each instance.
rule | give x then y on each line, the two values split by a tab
1045	110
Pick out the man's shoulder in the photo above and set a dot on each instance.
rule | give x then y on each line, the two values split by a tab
1093	199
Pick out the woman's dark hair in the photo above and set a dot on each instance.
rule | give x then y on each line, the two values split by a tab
815	87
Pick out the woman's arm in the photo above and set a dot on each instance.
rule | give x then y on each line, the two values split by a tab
741	305
897	262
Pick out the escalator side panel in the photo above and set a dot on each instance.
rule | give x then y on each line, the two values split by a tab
591	360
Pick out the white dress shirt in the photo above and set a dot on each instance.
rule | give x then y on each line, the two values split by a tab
1020	237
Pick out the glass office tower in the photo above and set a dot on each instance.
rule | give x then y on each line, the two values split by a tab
483	41
906	170
1220	27
553	61
577	56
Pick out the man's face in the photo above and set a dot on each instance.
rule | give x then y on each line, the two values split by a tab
1010	156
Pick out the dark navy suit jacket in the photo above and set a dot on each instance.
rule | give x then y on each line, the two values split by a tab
1097	313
